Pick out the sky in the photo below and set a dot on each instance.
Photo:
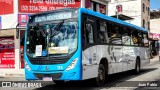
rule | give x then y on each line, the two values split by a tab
155	4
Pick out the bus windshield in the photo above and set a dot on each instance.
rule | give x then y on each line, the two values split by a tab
52	39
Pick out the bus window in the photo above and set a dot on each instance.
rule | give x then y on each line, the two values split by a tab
145	39
126	36
108	31
116	34
140	42
89	32
102	32
134	40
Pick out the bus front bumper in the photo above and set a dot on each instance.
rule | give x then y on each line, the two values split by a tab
56	75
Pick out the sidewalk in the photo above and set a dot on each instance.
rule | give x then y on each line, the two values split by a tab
11	72
155	59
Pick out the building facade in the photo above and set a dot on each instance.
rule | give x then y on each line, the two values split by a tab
139	10
155	30
15	13
155	21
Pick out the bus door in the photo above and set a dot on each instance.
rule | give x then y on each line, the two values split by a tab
89	48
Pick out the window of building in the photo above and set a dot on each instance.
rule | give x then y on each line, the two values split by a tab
148	11
143	23
94	6
102	8
143	7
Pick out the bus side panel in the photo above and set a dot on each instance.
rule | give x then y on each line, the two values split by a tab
91	61
130	54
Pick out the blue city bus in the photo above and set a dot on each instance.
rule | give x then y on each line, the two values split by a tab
79	44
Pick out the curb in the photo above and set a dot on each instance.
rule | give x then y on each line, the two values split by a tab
12	73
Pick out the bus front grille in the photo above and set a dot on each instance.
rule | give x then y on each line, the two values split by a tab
55	76
48	61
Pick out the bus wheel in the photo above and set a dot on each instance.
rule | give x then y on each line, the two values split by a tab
101	75
58	82
137	68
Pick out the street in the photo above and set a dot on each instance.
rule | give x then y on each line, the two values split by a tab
120	81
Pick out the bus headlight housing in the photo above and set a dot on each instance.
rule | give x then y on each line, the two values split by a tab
27	66
72	65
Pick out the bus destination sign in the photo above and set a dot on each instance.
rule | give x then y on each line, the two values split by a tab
53	16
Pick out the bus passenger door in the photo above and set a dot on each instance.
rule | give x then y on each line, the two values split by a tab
89	48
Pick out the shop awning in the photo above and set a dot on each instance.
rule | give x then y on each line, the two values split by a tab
153	36
122	17
6	32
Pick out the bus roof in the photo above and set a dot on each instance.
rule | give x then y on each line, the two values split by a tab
97	14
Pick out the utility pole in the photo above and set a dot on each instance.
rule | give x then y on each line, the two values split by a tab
117	8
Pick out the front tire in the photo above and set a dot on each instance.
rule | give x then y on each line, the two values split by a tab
101	75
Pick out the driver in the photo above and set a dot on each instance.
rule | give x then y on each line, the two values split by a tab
56	37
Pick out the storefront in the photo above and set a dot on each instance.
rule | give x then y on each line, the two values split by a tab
154	43
7	54
11	49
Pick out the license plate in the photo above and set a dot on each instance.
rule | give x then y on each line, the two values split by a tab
47	78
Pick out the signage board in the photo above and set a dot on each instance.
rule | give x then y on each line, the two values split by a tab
6	7
23	19
7	54
35	6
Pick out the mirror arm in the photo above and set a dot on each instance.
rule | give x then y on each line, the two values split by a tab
17	31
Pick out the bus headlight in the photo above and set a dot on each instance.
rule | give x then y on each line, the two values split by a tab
72	65
27	66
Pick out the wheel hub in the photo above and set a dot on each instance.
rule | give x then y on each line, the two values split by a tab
101	77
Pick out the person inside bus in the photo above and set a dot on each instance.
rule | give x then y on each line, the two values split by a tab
115	34
38	34
56	36
145	41
135	39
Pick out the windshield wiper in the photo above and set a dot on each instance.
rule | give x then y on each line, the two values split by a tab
57	27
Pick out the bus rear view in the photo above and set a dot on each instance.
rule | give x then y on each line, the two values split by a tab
51	46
